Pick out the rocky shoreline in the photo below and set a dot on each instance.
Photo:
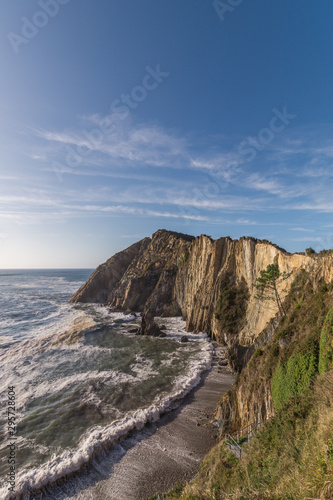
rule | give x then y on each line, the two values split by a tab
211	284
162	454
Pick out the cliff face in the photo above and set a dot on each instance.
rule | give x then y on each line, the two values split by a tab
286	355
211	284
211	264
176	274
142	276
103	282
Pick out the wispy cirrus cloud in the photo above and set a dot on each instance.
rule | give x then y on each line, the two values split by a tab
309	238
146	170
128	142
137	144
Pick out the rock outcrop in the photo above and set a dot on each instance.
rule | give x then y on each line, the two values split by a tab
214	265
149	327
212	285
140	278
103	282
175	274
298	340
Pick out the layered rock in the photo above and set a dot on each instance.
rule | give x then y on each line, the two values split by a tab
141	277
103	282
212	285
299	336
210	267
176	274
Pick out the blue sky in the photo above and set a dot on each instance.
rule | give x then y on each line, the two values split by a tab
119	118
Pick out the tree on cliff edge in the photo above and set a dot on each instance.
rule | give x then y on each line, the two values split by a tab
268	285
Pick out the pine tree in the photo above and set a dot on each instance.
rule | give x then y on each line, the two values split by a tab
268	285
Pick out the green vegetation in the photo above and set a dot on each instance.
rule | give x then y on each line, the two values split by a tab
291	457
231	305
310	252
257	353
326	252
148	266
268	285
326	344
293	378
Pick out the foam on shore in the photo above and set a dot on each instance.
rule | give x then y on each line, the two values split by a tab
98	438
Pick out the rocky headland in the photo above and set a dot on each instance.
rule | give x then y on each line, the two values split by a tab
173	274
211	284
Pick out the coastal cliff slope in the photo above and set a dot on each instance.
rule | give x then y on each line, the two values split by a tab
105	279
177	274
283	362
286	385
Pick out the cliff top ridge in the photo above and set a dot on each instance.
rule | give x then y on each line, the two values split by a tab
166	232
187	237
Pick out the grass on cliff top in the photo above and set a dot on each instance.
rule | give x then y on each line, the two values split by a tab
290	458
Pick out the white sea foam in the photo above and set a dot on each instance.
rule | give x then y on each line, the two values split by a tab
4	339
97	438
175	328
19	364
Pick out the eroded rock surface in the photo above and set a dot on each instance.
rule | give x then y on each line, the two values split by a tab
174	274
149	327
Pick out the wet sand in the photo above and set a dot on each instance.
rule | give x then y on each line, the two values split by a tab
157	457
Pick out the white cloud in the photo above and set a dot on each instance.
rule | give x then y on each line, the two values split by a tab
146	144
309	238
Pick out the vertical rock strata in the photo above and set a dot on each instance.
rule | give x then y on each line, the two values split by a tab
211	284
104	281
176	274
212	265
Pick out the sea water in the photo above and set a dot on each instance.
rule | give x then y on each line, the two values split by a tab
81	379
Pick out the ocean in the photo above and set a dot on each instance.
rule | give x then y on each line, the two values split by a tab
74	380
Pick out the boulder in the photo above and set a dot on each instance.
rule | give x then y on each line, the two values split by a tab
184	339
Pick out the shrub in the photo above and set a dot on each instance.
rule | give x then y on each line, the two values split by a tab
310	251
259	352
286	332
326	344
294	377
183	259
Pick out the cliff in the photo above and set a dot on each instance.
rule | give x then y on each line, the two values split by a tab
198	278
288	385
289	339
211	284
140	277
103	282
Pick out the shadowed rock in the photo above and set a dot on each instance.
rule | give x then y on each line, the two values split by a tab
149	327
